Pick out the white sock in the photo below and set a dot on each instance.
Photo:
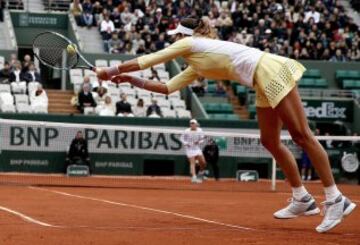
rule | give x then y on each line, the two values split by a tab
331	193
299	192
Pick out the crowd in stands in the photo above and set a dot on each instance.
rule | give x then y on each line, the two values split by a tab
20	86
97	100
104	98
299	29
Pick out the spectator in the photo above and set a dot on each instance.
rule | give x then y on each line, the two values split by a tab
32	75
312	14
123	107
153	110
338	57
100	95
86	81
154	75
220	89
2	6
115	44
87	15
78	152
199	85
97	11
5	73
107	108
211	154
85	99
39	98
139	109
26	63
16	75
107	28
77	11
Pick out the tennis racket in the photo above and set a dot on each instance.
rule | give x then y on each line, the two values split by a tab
58	52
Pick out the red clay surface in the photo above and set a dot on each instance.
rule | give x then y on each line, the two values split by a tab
161	211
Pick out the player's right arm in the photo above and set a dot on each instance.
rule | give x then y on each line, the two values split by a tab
177	49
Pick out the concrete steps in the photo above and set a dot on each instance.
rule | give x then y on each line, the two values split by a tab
59	102
91	40
238	109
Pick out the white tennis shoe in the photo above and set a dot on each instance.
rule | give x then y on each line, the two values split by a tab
196	180
306	206
334	213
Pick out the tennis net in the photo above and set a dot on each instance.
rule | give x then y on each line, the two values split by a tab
34	153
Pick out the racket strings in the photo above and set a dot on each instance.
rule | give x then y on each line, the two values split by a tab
50	49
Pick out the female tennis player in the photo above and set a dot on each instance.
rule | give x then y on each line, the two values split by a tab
192	139
274	79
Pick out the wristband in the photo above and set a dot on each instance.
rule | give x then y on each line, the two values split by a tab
112	71
137	82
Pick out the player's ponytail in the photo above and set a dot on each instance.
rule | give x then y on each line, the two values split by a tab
201	27
204	29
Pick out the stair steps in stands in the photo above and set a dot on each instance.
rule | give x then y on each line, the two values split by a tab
59	102
238	109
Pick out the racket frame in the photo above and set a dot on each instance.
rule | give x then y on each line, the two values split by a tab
88	66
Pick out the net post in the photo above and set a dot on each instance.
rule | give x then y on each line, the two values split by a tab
273	175
63	72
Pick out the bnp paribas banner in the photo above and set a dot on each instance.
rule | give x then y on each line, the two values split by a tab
329	110
32	136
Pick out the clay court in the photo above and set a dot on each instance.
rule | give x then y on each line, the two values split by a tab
158	211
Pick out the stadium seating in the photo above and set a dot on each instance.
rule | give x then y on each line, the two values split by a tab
222	116
5	88
312	73
2	62
348	79
218	108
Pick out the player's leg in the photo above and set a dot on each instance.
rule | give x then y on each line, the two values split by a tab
291	112
302	203
202	165
192	162
270	139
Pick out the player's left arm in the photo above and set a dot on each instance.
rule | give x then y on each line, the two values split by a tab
176	83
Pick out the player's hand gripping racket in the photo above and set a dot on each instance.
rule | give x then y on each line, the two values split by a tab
58	52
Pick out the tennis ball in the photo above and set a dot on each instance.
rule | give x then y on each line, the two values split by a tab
71	49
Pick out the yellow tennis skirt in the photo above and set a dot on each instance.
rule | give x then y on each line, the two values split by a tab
274	78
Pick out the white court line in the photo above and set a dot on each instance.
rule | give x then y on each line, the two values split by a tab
147	209
27	218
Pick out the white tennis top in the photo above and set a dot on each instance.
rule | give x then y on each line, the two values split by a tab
192	139
209	58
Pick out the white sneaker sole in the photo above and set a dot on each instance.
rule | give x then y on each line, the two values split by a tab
347	211
308	213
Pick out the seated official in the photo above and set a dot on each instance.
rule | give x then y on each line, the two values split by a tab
78	153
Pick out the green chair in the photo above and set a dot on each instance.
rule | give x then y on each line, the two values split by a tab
312	73
211	88
252	111
307	82
321	83
348	84
226	108
241	90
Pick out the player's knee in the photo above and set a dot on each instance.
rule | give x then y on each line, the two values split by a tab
269	143
302	137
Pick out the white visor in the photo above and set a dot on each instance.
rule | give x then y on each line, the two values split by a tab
181	29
